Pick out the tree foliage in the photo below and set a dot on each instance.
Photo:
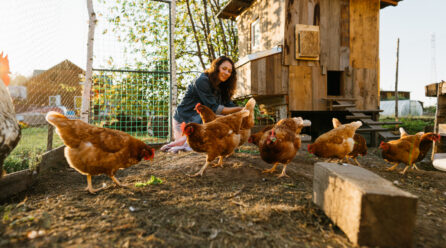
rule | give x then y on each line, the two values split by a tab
142	26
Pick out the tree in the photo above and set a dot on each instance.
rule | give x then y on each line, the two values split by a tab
142	26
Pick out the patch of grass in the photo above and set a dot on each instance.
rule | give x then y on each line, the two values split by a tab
412	125
30	148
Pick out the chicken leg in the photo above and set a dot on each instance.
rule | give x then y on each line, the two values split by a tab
90	187
208	161
283	174
117	182
273	169
405	169
220	162
393	167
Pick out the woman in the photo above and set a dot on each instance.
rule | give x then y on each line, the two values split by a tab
214	88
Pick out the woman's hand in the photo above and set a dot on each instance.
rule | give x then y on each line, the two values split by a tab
230	110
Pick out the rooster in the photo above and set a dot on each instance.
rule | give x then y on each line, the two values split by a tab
280	144
336	143
360	147
92	150
10	132
208	115
217	138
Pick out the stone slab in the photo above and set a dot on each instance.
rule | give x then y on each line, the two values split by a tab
439	161
369	209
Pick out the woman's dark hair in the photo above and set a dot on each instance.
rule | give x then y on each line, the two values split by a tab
228	87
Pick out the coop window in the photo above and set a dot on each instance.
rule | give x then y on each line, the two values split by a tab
317	15
307	42
255	34
77	102
334	83
54	100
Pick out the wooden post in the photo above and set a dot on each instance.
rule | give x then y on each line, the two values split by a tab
173	70
396	78
437	113
49	141
85	109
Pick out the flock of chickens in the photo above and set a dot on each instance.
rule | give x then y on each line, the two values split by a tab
93	150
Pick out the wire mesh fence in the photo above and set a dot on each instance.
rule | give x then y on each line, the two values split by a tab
136	102
43	78
131	78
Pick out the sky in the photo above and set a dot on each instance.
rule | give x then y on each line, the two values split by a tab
414	22
38	34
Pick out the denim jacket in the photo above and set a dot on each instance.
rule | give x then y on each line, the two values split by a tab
199	91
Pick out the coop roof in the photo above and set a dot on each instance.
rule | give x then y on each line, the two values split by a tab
235	7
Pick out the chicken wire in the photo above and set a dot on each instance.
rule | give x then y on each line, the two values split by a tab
47	49
43	77
131	78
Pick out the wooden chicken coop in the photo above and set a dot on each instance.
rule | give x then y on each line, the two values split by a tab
313	58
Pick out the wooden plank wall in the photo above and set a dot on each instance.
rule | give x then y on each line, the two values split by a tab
244	85
365	88
364	52
271	14
364	33
261	77
335	50
297	12
303	95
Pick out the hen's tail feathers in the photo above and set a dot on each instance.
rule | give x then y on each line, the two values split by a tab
336	122
403	132
250	104
54	118
244	113
299	120
356	124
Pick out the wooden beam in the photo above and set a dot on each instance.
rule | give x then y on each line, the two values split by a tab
391	2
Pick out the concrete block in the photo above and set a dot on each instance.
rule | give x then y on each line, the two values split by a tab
368	208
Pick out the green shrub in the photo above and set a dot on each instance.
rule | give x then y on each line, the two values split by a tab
412	125
30	148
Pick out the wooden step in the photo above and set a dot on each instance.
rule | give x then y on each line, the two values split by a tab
365	111
343	106
373	129
387	136
338	99
356	117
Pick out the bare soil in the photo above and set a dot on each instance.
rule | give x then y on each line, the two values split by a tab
234	206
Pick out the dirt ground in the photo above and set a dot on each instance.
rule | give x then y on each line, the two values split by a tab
234	206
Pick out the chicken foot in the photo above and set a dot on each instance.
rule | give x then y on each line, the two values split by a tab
220	162
117	182
201	171
273	169
405	169
393	167
283	174
90	187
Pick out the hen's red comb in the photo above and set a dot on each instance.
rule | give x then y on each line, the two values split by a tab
183	125
196	107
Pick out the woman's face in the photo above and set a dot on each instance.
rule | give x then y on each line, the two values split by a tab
224	71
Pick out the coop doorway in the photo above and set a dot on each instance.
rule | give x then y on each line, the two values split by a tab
334	83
